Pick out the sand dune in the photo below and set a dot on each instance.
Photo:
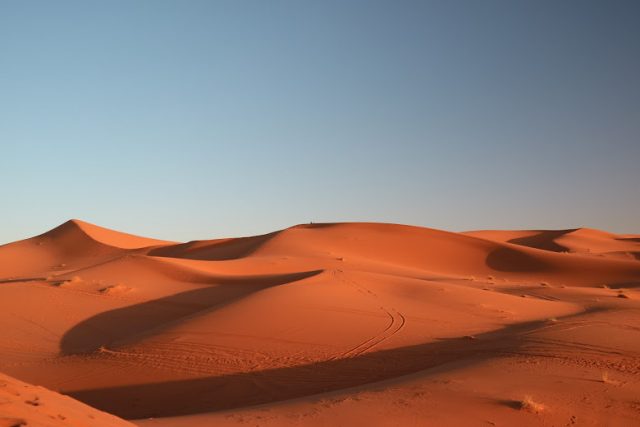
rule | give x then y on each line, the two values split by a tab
26	405
578	240
70	245
330	324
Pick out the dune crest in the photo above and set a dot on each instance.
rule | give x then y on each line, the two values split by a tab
585	241
75	231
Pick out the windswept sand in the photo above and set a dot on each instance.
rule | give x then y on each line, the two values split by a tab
23	404
326	324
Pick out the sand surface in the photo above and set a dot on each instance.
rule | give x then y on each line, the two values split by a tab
23	404
322	324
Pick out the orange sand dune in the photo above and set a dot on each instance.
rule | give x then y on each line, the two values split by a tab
69	245
22	404
341	324
579	240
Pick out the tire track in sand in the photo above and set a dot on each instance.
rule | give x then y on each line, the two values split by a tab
396	321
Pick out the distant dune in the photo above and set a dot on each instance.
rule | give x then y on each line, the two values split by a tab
322	324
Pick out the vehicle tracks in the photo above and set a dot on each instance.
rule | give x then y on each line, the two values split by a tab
397	321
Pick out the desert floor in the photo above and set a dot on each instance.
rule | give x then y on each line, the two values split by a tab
321	324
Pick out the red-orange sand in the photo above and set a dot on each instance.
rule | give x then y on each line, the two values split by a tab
321	325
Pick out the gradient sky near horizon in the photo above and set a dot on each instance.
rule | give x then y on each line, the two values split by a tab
199	119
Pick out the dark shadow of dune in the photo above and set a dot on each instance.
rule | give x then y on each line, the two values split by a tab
192	396
112	328
224	249
214	250
223	392
512	260
513	404
630	239
624	285
24	279
317	225
544	240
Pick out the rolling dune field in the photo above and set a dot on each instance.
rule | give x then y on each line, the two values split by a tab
322	325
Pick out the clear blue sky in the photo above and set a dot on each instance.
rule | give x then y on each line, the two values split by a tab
201	119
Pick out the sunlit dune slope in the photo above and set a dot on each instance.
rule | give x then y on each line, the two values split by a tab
23	404
391	246
70	245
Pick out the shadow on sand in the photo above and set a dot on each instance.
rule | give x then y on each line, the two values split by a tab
116	327
543	240
513	260
222	392
215	250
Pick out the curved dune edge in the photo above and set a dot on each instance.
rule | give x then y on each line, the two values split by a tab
584	241
71	245
23	404
103	235
327	320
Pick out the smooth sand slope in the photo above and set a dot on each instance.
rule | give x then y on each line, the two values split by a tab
23	404
330	324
